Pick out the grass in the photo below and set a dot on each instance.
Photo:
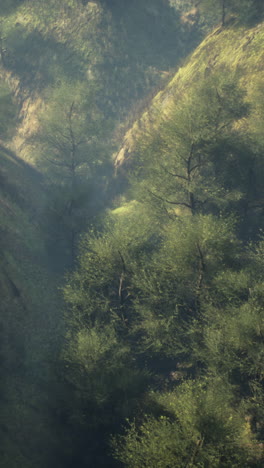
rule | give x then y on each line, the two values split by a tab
235	48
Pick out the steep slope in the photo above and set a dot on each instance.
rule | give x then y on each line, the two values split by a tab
30	315
236	49
118	51
126	49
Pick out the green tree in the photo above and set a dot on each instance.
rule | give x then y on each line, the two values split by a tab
221	4
101	289
69	150
174	282
228	338
198	426
245	10
106	384
177	162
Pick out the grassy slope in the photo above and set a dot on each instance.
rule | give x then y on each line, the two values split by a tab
28	340
235	48
125	51
125	48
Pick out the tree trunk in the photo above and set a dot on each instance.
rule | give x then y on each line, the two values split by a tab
223	12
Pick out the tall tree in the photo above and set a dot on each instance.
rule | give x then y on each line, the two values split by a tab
69	150
106	384
177	161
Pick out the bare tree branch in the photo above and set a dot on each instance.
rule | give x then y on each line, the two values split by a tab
169	201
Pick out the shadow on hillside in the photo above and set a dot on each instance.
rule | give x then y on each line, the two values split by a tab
39	60
11	157
19	181
151	28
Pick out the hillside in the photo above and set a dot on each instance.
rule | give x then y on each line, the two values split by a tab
105	57
131	285
125	50
235	49
30	320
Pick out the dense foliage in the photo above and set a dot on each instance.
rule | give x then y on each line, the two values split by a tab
131	298
165	309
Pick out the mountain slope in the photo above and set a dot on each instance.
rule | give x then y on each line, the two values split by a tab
236	49
118	52
124	49
30	321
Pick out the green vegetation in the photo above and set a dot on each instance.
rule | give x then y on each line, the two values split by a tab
7	112
67	148
131	295
172	278
245	10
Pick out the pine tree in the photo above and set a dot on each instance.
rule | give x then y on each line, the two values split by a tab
68	150
177	163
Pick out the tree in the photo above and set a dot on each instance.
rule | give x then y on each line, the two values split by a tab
174	283
101	288
177	162
106	384
207	6
197	425
245	10
160	300
68	142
